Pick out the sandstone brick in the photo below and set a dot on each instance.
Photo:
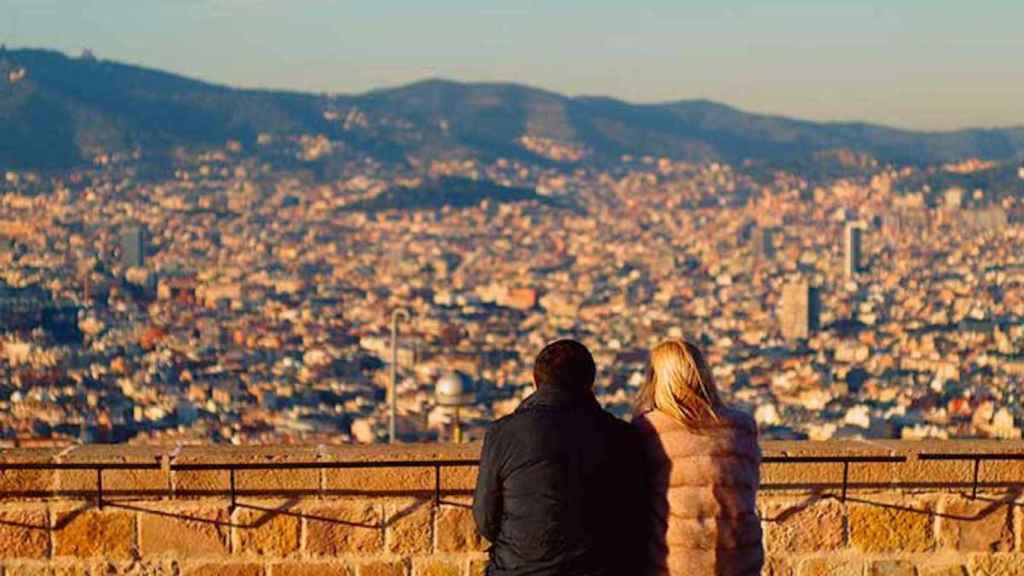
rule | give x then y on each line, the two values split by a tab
478	567
975	526
891	527
200	482
247	482
998	472
795	527
85	533
777	567
942	570
891	568
997	565
24	569
137	567
398	481
344	527
224	569
50	568
382	569
456	529
24	533
831	567
278	481
436	567
309	568
459	479
188	531
383	481
931	472
27	483
408	526
149	483
266	531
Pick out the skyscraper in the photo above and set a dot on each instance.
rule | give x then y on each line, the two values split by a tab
133	247
766	243
799	310
853	237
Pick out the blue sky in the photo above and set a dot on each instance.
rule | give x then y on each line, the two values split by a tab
927	64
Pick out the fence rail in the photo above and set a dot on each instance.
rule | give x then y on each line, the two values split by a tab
162	463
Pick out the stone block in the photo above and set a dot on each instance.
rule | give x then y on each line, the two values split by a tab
91	567
134	483
392	568
137	567
266	530
774	566
27	483
891	526
379	481
344	527
925	473
891	568
803	527
399	481
460	479
831	567
189	531
310	568
975	525
247	482
24	533
84	533
408	526
997	565
942	570
224	569
436	567
456	529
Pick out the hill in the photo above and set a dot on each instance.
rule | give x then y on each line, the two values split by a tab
64	110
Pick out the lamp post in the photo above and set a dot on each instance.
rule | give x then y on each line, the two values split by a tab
400	314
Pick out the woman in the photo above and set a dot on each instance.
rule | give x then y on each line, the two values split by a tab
703	460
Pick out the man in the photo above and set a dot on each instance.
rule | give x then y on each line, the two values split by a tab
559	490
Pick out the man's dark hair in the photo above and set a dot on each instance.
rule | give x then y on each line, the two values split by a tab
565	365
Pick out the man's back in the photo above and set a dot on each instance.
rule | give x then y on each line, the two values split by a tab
557	487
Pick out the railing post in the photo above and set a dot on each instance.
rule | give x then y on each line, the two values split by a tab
231	487
99	487
974	483
437	485
846	478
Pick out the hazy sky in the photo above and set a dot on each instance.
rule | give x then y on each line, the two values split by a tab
931	64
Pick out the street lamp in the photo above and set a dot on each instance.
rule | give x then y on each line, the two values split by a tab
400	314
455	390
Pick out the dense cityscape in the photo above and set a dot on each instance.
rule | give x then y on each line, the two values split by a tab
231	301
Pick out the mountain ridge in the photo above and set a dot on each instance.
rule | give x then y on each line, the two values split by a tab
67	109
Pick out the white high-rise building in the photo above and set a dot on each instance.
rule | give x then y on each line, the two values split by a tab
853	240
799	310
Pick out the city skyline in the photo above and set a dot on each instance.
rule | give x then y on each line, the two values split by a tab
899	64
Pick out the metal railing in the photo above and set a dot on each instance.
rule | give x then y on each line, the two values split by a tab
232	468
978	458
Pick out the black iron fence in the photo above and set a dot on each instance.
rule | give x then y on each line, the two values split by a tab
232	468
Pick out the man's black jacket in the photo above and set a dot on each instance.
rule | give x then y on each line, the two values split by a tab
559	491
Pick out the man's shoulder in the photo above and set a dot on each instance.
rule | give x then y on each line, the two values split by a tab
497	426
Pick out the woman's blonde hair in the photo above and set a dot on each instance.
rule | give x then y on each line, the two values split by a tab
679	383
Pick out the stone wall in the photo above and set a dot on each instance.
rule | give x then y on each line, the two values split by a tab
916	517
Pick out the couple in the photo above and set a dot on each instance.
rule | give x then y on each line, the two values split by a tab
566	489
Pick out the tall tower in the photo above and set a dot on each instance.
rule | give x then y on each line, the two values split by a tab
133	247
766	243
799	310
853	237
